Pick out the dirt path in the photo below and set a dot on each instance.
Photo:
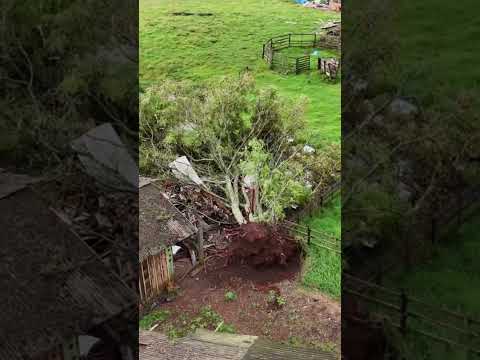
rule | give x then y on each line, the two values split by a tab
306	318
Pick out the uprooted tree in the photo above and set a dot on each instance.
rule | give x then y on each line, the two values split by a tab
247	145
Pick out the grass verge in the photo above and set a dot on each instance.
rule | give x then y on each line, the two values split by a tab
322	268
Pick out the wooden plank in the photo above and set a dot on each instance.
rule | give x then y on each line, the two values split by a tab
156	346
267	350
243	341
144	282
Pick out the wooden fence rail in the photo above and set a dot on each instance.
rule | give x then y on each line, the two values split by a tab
271	52
412	315
315	237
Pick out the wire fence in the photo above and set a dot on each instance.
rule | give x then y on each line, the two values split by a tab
312	236
413	316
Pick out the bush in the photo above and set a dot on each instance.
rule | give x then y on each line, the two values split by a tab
230	296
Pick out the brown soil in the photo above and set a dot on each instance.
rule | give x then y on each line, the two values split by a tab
261	244
306	318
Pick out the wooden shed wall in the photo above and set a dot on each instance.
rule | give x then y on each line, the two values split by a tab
156	271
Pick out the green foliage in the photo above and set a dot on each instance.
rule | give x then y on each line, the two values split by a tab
226	328
280	185
203	48
275	299
281	301
230	296
66	62
151	319
240	130
324	166
207	318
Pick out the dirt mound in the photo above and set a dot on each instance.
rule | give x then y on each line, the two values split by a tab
261	244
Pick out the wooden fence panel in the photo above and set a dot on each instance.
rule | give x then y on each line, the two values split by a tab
302	64
156	272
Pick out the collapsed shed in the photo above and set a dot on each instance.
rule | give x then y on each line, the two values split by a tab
54	287
162	226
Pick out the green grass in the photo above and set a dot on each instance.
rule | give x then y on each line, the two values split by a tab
201	48
450	279
439	46
153	318
322	268
205	47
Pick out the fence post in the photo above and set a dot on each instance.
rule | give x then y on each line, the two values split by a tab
459	216
380	273
263	52
469	338
309	235
403	310
289	40
315	39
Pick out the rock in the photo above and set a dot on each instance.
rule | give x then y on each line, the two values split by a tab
307	149
403	109
360	86
405	168
404	192
369	242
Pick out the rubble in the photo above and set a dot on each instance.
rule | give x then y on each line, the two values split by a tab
195	202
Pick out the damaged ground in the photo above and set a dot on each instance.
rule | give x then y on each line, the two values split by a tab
250	283
265	302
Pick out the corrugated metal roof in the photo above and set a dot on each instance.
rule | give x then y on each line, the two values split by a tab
160	223
53	286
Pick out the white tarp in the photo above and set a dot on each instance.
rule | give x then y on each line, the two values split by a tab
183	170
106	158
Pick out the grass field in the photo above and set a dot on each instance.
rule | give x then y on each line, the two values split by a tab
440	48
451	280
323	267
225	37
225	43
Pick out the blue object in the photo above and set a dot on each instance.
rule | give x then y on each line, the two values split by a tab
301	1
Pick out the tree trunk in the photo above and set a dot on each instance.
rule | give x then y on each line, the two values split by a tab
232	193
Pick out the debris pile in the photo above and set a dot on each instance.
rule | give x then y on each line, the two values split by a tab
197	203
261	244
97	198
107	221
